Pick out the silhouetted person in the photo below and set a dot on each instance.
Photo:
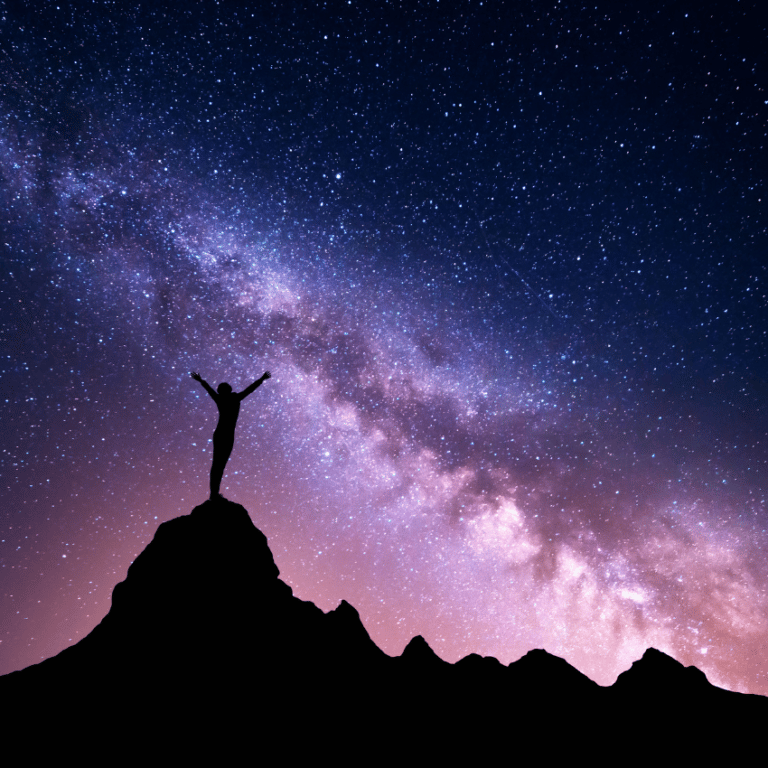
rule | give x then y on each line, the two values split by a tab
228	403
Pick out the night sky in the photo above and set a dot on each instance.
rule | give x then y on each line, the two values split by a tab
507	264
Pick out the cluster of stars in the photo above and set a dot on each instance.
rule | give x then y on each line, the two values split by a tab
506	267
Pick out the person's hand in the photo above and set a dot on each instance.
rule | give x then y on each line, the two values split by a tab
196	376
266	375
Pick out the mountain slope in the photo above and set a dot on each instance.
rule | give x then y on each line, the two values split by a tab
204	638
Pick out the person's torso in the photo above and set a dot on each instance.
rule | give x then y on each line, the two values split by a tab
229	409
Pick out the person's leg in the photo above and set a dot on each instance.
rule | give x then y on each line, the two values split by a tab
222	449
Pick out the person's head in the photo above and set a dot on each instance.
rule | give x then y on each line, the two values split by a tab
223	388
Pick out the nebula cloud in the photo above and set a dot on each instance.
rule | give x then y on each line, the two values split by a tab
501	433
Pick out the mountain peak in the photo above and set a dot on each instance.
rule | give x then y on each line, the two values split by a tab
419	652
204	633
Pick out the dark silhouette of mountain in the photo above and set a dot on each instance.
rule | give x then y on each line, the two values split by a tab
205	651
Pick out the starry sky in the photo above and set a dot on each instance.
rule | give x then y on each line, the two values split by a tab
505	261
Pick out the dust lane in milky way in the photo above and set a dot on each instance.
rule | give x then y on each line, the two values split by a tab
514	316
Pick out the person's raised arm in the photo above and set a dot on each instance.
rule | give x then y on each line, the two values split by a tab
208	387
256	384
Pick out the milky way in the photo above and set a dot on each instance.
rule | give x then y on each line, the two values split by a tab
508	272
